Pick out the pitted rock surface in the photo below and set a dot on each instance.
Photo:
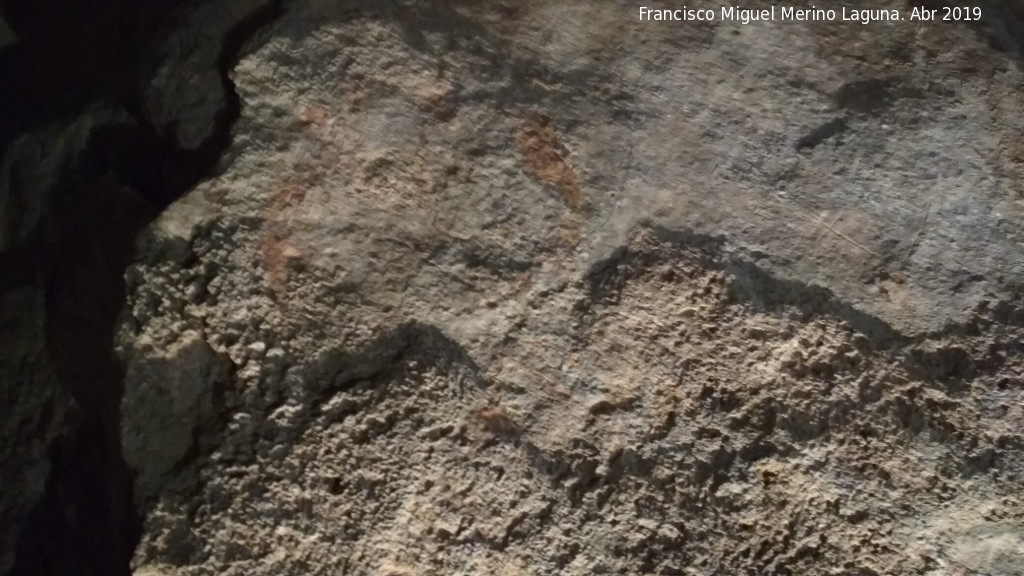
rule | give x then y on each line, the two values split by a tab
534	288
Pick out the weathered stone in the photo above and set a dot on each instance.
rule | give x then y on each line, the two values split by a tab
186	94
538	288
79	177
174	394
36	403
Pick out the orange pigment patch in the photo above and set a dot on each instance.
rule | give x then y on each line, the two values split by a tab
276	253
542	157
495	422
274	246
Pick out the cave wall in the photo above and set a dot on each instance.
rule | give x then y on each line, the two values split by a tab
85	165
111	110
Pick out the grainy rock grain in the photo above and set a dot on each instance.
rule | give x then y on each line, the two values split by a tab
535	288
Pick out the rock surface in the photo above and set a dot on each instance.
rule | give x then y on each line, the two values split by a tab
36	403
83	168
534	288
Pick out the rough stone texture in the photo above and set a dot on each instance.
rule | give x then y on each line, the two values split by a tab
184	94
83	168
531	288
172	399
59	298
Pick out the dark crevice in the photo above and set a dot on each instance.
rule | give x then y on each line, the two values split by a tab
86	522
833	127
870	96
71	53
